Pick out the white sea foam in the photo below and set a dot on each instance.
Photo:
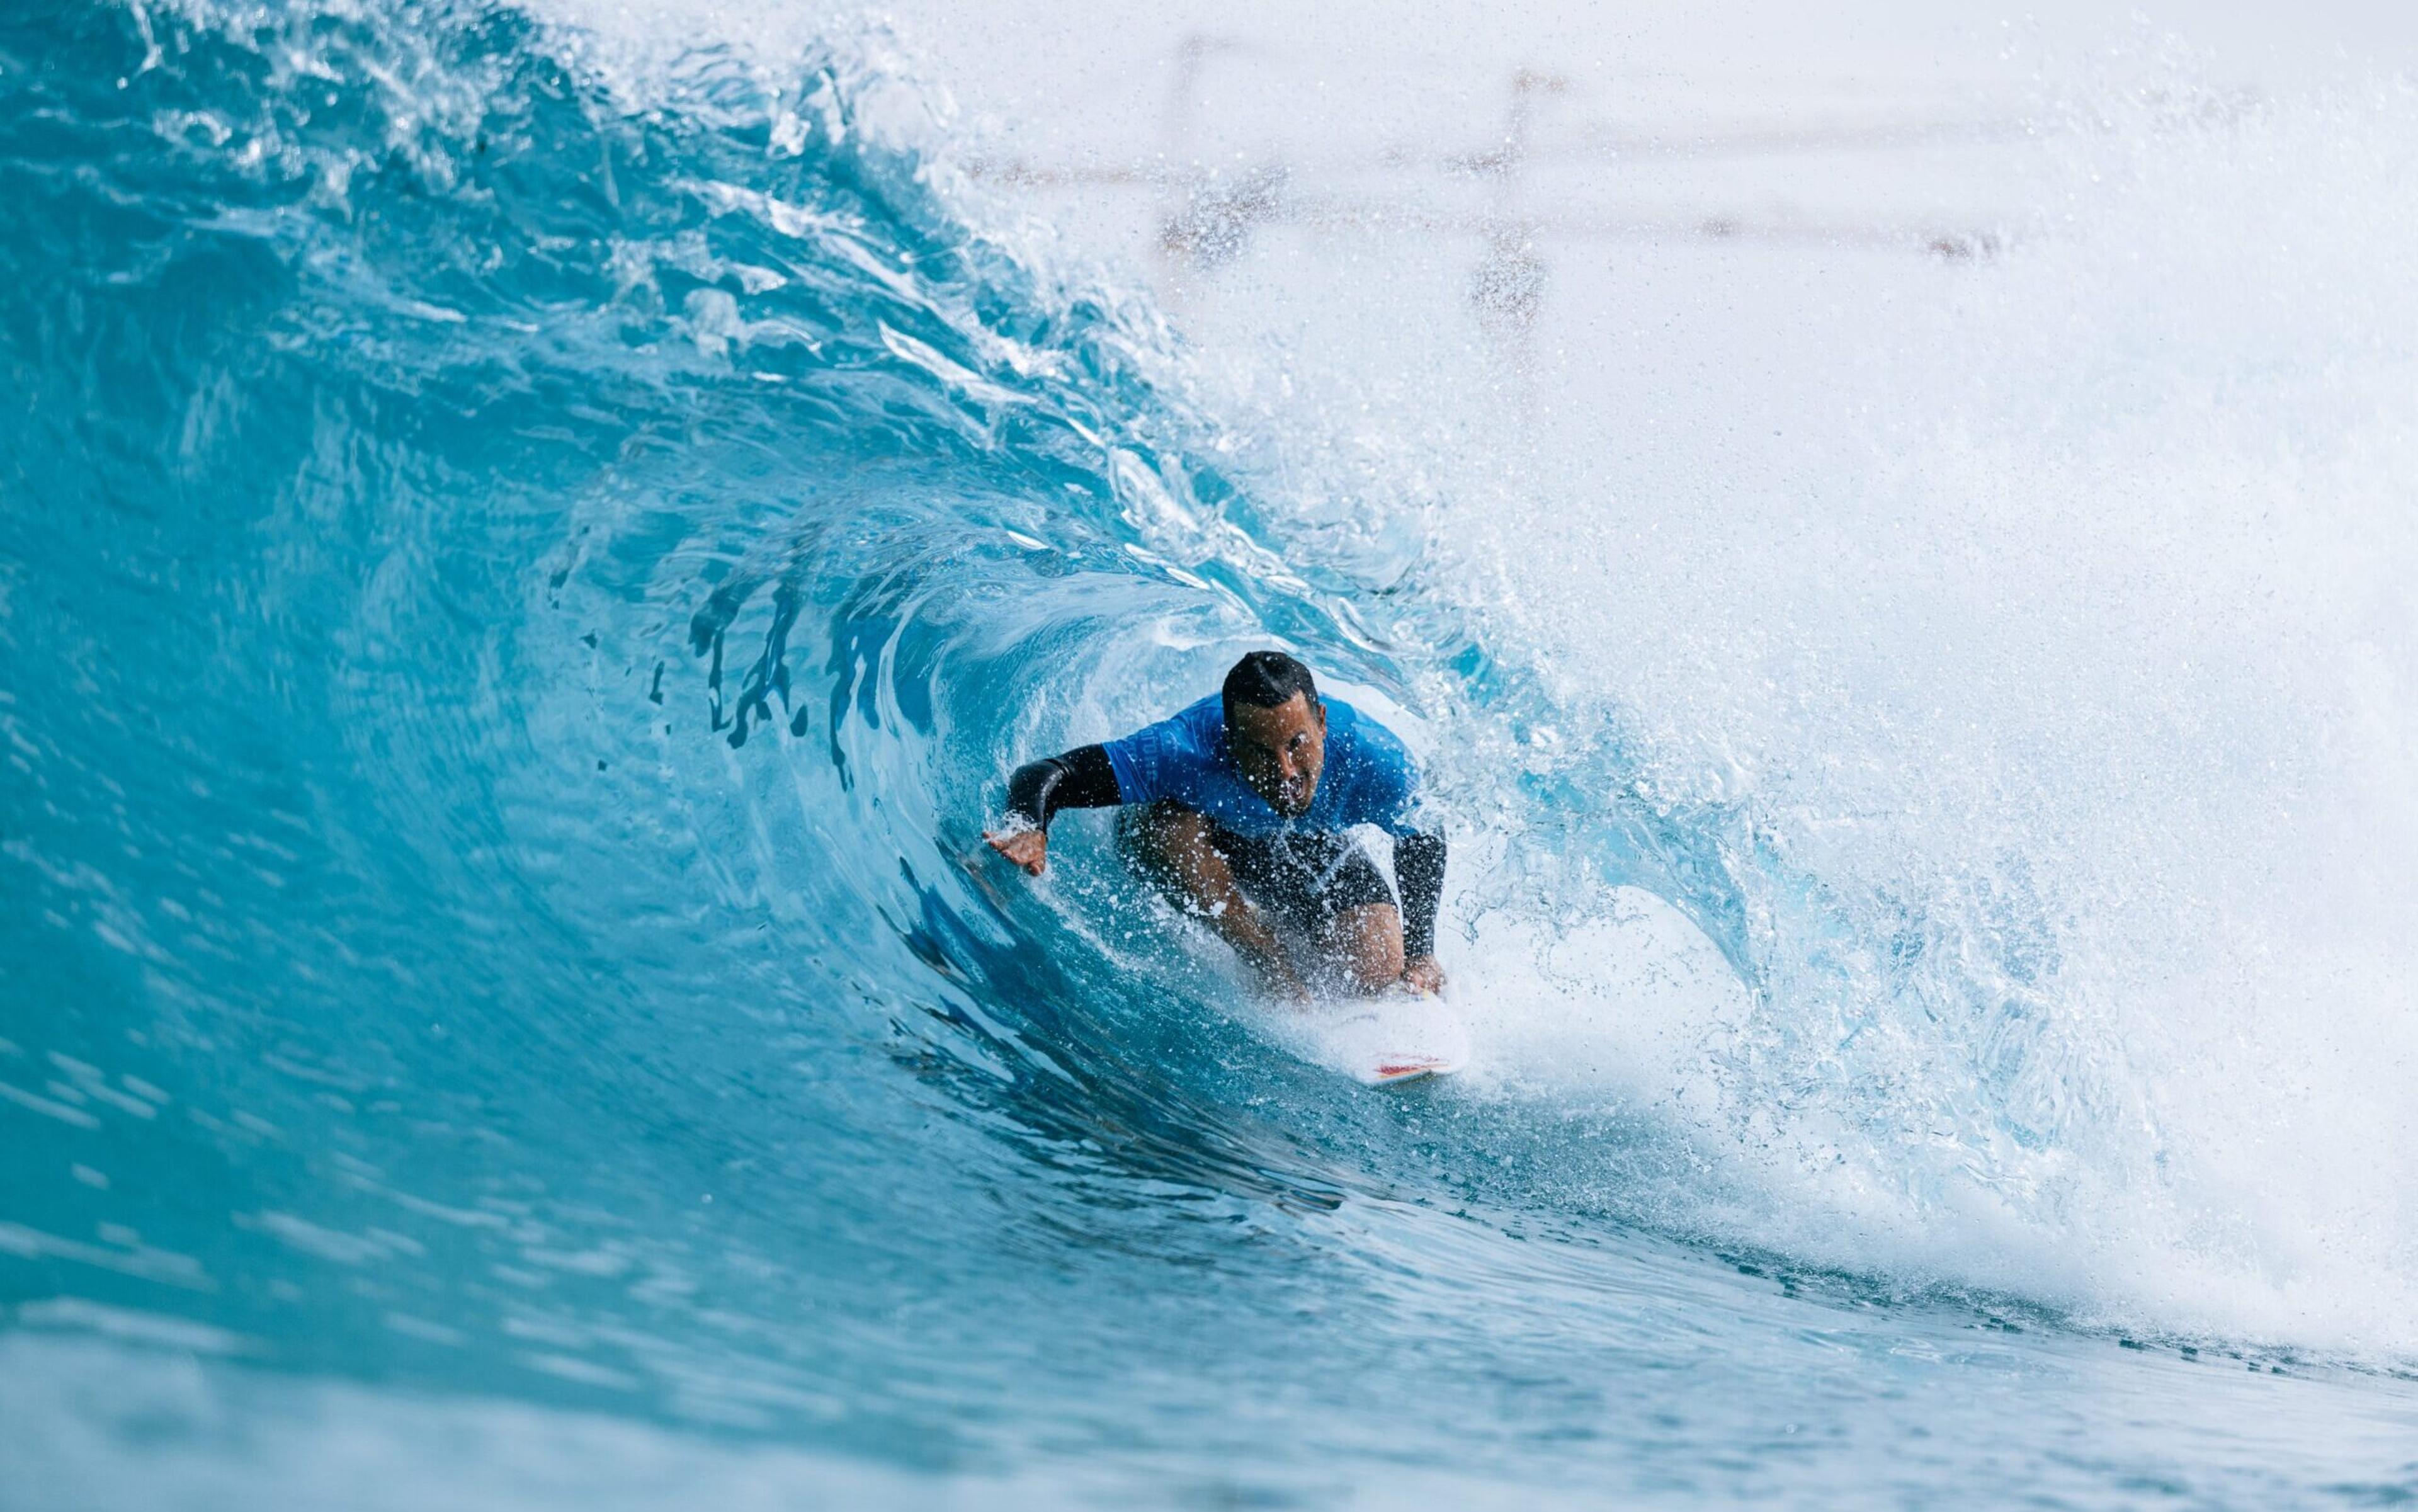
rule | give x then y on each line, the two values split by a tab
2060	689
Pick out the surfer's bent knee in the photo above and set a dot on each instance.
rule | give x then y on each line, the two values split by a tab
1155	836
1368	940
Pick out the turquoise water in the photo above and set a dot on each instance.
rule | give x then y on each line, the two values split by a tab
516	593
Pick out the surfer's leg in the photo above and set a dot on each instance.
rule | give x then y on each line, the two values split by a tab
1170	843
1349	911
1366	945
1175	848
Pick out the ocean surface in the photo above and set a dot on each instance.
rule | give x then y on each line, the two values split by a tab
525	558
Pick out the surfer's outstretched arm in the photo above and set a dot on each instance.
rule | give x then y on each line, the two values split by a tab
1080	778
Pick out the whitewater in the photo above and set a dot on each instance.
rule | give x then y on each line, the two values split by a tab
530	538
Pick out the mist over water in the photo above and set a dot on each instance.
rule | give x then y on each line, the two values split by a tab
2054	701
531	540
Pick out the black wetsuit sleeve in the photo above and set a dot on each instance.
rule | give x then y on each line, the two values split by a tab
1080	778
1418	868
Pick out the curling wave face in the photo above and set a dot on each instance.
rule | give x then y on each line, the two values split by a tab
518	586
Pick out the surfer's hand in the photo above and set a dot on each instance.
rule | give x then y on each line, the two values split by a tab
1026	847
1424	975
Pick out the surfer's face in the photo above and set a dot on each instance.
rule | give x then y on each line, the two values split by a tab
1281	750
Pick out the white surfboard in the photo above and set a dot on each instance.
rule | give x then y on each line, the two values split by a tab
1382	1041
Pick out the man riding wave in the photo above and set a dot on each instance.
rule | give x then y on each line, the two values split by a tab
1236	808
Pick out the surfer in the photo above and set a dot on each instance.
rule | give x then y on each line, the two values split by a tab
1236	808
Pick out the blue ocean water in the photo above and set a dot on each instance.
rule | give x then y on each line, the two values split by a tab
516	598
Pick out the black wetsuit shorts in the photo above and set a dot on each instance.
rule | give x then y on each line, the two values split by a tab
1307	880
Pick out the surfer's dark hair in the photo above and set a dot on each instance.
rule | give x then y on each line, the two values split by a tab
1268	680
